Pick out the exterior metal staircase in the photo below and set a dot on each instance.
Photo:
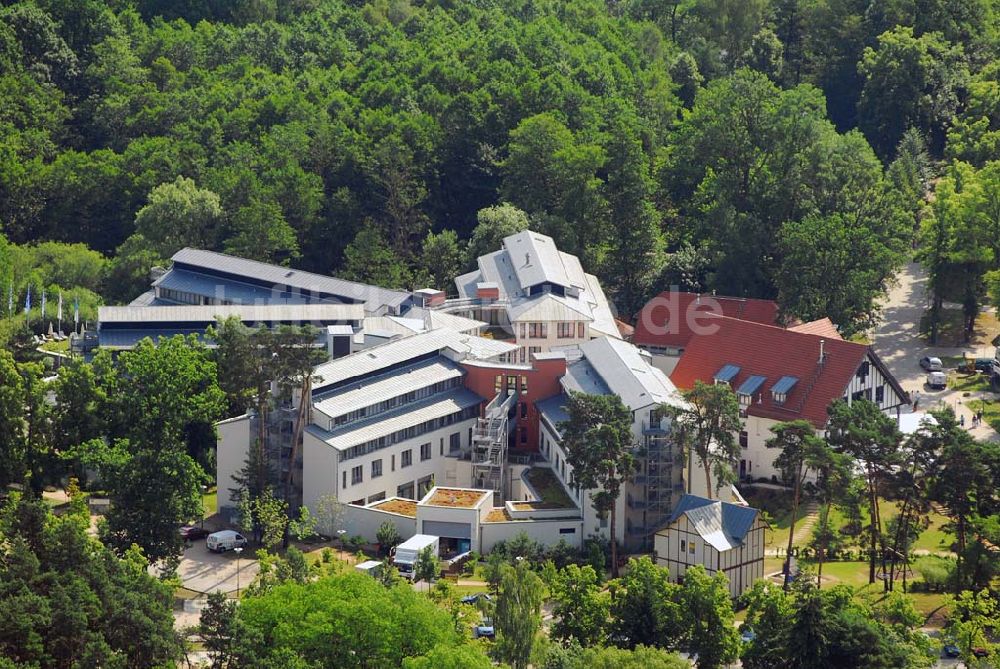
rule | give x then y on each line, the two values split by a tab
489	444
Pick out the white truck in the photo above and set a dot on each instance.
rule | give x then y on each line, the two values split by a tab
408	552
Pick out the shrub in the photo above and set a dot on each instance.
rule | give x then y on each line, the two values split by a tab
937	572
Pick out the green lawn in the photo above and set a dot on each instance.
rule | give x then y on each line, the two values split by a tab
778	505
209	502
855	574
56	346
969	383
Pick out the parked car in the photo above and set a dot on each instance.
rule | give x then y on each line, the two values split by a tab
980	652
951	650
226	540
475	597
747	635
931	364
485	629
984	365
937	380
192	532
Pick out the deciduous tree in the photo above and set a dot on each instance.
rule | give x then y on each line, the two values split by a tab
518	614
704	427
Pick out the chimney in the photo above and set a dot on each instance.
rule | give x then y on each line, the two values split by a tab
822	352
527	260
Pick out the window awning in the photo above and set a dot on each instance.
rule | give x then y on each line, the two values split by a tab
784	384
751	385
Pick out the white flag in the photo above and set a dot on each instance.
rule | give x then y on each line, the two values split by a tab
59	312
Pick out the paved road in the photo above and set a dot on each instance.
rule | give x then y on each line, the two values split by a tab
897	342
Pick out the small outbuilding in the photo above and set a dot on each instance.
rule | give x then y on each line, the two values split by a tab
722	537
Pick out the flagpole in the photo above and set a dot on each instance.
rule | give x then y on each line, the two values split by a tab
27	309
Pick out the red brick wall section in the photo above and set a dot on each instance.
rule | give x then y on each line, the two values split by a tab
543	382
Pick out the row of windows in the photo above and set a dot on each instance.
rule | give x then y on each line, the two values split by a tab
405	460
179	296
509	384
564	330
408	433
394	402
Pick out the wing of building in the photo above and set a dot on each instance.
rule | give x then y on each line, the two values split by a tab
780	375
532	293
445	408
197	276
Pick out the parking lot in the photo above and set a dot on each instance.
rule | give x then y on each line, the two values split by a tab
203	571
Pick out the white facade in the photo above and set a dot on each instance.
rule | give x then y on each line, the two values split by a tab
325	473
756	460
615	367
704	539
233	447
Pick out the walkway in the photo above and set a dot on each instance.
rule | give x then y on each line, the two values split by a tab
897	341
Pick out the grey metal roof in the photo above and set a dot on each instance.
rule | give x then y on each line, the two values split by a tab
207	313
385	424
721	524
507	269
784	384
440	319
147	299
751	385
581	377
548	308
373	297
403	349
396	383
727	373
628	375
535	259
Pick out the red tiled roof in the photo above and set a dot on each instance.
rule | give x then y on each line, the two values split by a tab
823	327
670	318
774	352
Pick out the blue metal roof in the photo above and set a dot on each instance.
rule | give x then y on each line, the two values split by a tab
727	373
723	524
784	384
553	409
751	385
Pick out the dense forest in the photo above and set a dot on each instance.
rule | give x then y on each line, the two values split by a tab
753	147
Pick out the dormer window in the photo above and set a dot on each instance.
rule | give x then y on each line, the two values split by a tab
747	389
780	390
727	374
863	370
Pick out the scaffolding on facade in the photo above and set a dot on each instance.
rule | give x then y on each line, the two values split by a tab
656	485
489	445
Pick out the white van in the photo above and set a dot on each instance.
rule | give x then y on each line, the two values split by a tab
226	540
937	380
